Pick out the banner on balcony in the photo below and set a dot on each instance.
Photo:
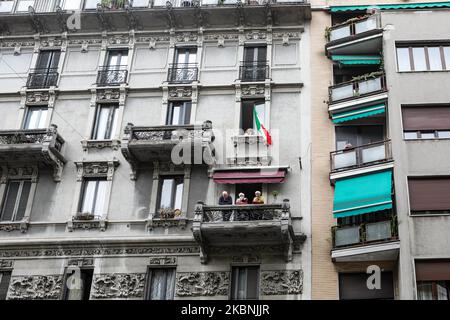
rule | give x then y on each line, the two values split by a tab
261	129
358	113
363	194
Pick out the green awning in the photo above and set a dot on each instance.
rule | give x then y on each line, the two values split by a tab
362	194
356	60
358	113
391	6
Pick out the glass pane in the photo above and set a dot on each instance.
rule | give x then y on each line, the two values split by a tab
442	292
342	92
346	236
42	119
447	57
378	231
192	56
99	209
166	193
102	123
252	283
444	134
10	201
403	59
178	195
92	4
373	153
159	3
72	4
369	86
242	283
88	196
427	135
434	55
419	59
170	284
367	25
425	291
158	285
23	5
344	159
176	115
115	122
140	3
340	33
6	6
26	187
5	278
410	135
76	289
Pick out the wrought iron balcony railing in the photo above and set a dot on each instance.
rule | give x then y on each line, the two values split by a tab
353	27
367	233
167	133
32	136
361	156
112	76
254	71
182	73
360	87
42	78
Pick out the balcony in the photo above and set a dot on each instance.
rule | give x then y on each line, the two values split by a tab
362	91
254	71
182	73
42	78
36	146
222	228
249	150
86	222
112	76
149	144
355	36
361	159
375	241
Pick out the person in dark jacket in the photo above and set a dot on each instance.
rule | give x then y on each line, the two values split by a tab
226	200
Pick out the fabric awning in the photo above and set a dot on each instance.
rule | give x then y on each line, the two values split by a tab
362	194
247	176
358	113
391	6
356	60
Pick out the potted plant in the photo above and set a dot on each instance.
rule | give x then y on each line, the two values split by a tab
275	194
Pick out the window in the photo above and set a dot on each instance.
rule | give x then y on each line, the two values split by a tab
184	68
426	122
353	286
93	196
185	55
78	284
429	57
106	119
254	67
433	279
46	72
115	70
358	135
245	283
248	109
433	290
5	277
15	200
248	189
171	193
160	284
179	113
429	195
117	58
36	118
71	4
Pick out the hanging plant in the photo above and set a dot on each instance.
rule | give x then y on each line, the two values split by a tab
368	76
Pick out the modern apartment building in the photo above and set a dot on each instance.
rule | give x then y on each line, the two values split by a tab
122	122
384	199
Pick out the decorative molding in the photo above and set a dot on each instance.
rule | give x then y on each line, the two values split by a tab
256	35
253	90
163	261
108	95
120	40
152	223
194	284
17	44
186	37
80	262
246	258
285	37
35	287
180	92
21	226
99	223
100	144
6	264
107	286
51	42
266	249
96	169
281	282
38	98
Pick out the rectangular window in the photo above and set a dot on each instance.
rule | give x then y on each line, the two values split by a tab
185	55
15	200
5	277
429	57
426	122
78	284
160	284
106	119
116	58
433	279
254	67
171	193
248	123
36	118
71	4
358	135
179	113
429	195
45	73
245	283
353	286
93	197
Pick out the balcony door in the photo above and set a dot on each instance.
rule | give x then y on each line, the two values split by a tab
254	66
245	283
36	118
179	113
358	135
117	58
115	70
46	72
184	65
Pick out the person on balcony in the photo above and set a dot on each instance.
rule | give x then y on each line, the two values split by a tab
242	199
242	215
226	200
258	199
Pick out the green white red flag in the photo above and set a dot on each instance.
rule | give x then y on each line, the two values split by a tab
261	129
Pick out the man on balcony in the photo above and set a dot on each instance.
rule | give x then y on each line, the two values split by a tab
226	199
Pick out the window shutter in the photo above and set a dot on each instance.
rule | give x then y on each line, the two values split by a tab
433	270
429	194
426	118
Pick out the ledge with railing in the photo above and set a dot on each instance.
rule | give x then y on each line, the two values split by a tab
254	71
42	78
84	220
362	86
361	156
111	76
364	234
249	150
182	73
353	27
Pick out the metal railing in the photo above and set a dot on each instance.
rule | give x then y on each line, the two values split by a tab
357	88
182	73
366	233
357	157
254	71
32	136
250	212
112	75
354	27
42	78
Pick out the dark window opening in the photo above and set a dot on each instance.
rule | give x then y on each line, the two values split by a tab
248	189
15	200
245	283
179	113
78	284
160	284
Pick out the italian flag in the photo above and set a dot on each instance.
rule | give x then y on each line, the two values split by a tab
261	129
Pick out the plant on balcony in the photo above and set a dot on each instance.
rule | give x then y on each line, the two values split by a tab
169	213
327	33
368	76
275	194
113	4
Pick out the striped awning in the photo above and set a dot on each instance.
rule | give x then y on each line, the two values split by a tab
358	113
363	194
356	60
391	6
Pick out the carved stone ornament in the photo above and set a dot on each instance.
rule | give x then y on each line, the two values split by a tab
81	262
38	97
253	90
120	39
96	223
192	284
100	144
107	286
96	169
51	42
162	261
108	95
35	288
180	92
281	282
6	264
256	35
152	223
21	226
186	37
